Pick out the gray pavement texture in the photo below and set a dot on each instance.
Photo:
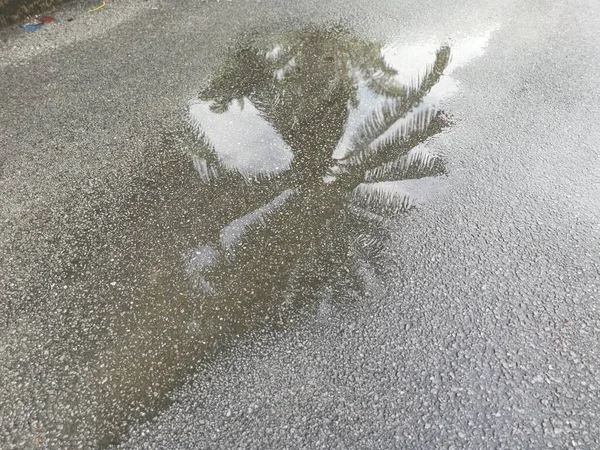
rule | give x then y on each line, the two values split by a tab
483	333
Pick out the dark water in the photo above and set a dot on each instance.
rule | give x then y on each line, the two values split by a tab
298	143
276	190
293	135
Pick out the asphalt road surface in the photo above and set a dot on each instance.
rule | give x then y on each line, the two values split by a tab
468	318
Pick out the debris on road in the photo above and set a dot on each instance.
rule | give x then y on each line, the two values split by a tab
45	19
31	27
99	7
38	23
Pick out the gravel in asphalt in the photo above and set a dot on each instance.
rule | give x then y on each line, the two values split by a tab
481	333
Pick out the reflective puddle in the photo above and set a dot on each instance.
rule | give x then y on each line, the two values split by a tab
271	201
304	145
307	138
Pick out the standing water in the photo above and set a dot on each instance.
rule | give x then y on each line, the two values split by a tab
278	188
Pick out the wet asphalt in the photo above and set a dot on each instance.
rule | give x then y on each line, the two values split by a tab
481	331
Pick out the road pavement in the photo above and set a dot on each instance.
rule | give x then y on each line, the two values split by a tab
481	331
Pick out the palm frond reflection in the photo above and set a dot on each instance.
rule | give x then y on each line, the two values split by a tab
309	125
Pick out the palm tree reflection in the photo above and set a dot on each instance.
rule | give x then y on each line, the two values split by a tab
304	128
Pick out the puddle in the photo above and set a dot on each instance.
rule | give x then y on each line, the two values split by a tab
305	145
322	129
269	206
